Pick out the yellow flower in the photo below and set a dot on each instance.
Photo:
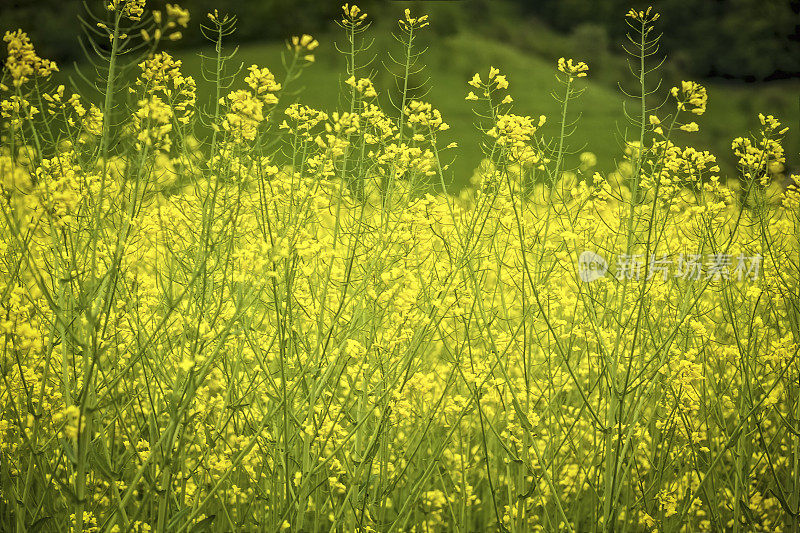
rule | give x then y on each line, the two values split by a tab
71	416
363	86
475	81
353	17
691	96
423	114
758	156
93	122
303	45
161	75
22	62
262	81
17	108
643	16
133	9
409	23
244	116
153	122
573	70
177	16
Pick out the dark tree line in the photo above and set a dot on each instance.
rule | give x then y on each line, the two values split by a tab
741	39
53	24
744	39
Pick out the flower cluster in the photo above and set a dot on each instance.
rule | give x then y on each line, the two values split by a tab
690	96
496	82
245	113
363	85
378	127
262	81
398	159
645	17
161	76
176	17
304	119
423	115
132	9
571	69
514	132
353	16
409	23
303	47
152	121
272	329
758	157
22	62
17	109
675	168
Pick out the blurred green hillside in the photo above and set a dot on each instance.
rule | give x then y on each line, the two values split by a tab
524	48
452	60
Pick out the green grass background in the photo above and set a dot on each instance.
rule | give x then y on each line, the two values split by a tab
530	66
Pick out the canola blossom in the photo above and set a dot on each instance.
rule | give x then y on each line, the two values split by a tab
259	316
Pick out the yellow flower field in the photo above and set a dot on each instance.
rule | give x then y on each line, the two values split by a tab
257	316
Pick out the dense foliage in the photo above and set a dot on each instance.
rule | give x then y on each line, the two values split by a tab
745	39
275	327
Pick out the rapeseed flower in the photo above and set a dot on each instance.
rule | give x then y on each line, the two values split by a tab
22	62
302	46
270	327
409	23
571	69
690	97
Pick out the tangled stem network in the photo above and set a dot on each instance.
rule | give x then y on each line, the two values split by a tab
226	310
